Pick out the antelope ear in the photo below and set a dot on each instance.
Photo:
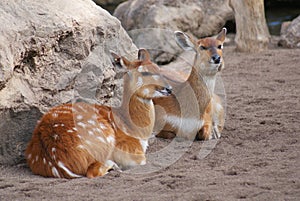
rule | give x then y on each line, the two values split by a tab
118	61
221	36
143	55
184	41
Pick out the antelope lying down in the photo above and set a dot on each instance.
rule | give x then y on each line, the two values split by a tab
194	110
81	139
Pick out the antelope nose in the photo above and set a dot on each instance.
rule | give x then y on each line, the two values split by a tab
216	58
169	89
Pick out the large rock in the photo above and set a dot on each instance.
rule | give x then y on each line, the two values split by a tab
151	23
290	34
53	53
109	5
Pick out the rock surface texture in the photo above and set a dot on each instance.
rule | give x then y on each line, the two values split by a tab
151	23
51	54
290	34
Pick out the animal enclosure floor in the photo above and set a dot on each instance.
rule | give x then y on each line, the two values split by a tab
257	157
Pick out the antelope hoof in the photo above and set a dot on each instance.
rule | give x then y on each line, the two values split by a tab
112	166
215	133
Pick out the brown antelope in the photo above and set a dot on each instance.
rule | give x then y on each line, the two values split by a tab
193	110
81	139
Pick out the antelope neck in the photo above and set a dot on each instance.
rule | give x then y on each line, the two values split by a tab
196	73
136	116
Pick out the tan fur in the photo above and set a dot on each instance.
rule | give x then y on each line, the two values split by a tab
195	96
81	139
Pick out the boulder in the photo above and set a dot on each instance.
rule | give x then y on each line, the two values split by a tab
290	34
109	5
151	23
108	2
50	54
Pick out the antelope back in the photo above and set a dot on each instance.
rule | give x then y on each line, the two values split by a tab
68	139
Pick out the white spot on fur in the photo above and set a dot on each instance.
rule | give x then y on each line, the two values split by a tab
50	164
55	172
81	124
53	149
75	129
54	115
146	91
139	82
90	132
88	142
111	139
101	139
62	125
140	68
102	126
70	173
29	156
81	146
55	125
92	122
79	117
157	94
82	108
55	136
97	130
79	136
37	158
44	160
156	77
70	131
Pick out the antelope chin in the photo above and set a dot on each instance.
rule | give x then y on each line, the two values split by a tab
220	67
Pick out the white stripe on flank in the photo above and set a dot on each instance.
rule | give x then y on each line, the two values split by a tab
62	166
55	172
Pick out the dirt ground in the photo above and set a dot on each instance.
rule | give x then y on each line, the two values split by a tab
257	157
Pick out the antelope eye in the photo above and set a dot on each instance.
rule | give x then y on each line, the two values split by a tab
220	47
203	47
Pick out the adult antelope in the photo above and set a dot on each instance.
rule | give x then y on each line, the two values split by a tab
81	139
194	110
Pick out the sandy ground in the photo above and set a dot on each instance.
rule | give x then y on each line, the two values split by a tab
257	158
